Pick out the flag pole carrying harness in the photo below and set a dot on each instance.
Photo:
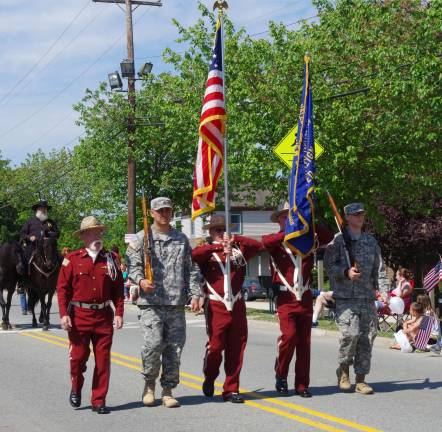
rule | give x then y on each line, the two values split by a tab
215	296
298	288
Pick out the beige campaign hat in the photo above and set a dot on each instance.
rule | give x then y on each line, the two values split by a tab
89	223
282	208
216	221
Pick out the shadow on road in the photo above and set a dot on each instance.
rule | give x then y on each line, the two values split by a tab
379	387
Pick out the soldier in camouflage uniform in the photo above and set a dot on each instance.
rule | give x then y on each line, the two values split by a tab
162	302
354	290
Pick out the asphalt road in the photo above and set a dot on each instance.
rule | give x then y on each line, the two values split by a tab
34	387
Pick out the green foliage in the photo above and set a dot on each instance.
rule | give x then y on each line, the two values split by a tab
382	144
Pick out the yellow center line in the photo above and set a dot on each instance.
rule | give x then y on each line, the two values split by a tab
288	405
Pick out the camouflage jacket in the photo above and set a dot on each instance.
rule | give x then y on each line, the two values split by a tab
370	264
175	277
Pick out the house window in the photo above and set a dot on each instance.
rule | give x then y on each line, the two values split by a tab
192	228
236	221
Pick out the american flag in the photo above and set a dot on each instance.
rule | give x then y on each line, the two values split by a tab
209	159
433	277
421	340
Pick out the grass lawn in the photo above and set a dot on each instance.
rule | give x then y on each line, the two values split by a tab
324	323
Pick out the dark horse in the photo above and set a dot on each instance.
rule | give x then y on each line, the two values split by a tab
43	274
11	267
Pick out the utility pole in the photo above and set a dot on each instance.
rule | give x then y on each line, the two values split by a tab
131	163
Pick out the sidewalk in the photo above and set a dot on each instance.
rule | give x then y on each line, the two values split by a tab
258	304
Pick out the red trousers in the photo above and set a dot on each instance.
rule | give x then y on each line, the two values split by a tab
227	332
88	326
295	323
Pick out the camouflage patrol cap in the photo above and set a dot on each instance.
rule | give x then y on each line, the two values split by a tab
160	202
354	208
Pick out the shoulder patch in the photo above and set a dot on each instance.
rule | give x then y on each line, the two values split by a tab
65	262
134	245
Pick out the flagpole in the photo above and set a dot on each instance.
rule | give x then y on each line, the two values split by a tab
228	297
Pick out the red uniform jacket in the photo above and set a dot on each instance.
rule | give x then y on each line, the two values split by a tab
82	280
273	244
211	270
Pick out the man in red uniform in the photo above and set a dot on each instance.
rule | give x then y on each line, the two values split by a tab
89	281
294	304
226	323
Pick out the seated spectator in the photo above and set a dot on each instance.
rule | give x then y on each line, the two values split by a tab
403	286
405	337
404	289
325	298
435	336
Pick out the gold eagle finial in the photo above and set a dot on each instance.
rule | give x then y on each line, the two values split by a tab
220	5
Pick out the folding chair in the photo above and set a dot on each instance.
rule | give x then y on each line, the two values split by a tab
388	322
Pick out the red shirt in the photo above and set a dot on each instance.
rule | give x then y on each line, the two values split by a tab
274	245
210	268
82	280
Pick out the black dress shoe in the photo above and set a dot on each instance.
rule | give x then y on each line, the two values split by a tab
102	409
75	399
303	393
208	388
234	398
281	385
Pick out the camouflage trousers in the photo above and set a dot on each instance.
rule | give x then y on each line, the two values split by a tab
164	332
357	322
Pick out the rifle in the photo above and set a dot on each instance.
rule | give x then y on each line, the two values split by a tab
146	244
341	227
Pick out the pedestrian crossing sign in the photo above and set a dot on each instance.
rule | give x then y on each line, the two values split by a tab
284	149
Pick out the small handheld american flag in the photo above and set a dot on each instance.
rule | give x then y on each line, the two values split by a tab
423	334
209	160
433	277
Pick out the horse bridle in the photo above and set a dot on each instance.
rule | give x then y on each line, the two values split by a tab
46	274
45	262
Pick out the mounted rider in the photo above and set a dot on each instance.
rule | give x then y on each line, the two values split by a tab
36	228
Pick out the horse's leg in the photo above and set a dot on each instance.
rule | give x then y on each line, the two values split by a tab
41	318
48	307
44	319
32	302
8	306
3	306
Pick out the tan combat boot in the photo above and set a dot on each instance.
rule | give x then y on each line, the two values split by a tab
149	393
343	374
361	386
168	400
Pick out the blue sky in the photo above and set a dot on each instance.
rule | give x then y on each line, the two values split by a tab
49	58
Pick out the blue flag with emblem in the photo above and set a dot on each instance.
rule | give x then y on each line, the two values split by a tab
300	227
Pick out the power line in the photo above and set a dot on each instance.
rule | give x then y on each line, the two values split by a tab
51	129
66	87
286	25
62	50
45	53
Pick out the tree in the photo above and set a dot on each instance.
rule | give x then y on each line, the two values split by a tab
377	103
8	214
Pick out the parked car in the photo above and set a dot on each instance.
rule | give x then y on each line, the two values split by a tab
252	289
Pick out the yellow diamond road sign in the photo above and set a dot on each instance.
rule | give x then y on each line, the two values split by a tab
284	150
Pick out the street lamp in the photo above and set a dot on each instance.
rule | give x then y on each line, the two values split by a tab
115	81
145	69
127	69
